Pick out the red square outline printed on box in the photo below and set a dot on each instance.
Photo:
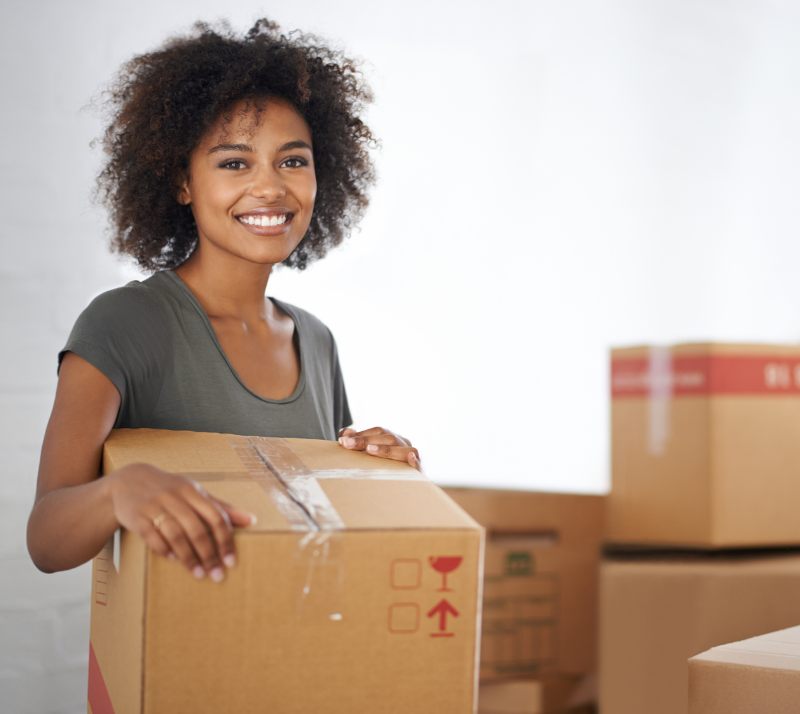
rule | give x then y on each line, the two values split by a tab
393	574
415	608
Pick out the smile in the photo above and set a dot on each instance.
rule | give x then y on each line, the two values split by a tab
263	220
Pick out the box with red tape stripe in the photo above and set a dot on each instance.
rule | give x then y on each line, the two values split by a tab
705	445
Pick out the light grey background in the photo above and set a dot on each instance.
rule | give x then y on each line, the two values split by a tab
556	177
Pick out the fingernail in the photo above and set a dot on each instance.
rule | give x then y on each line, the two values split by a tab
253	519
229	560
171	555
341	439
217	575
349	441
372	447
198	572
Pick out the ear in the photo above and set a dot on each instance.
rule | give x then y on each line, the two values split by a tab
183	195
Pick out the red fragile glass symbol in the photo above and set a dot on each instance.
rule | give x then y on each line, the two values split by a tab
445	564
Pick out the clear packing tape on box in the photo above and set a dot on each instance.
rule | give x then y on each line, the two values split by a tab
295	491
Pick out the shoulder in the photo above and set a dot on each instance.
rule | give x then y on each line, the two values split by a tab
307	324
135	296
128	313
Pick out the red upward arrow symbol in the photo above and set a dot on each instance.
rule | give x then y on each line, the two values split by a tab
442	609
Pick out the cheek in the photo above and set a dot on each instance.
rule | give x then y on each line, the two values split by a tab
312	191
211	199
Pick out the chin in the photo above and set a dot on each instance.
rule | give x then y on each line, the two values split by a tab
272	258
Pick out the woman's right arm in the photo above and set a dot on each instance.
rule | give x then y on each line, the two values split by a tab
76	512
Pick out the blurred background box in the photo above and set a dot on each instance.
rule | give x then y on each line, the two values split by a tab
705	445
547	695
659	609
540	581
755	676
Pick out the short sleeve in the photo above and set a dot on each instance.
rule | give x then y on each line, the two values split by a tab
341	409
124	334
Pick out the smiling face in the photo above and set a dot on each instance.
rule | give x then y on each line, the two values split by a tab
251	184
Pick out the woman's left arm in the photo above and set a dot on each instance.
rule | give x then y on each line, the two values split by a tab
381	442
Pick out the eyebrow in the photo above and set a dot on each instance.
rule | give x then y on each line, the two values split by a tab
288	146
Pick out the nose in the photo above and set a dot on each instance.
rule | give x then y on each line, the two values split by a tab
268	184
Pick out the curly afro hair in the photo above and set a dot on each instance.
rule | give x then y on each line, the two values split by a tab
162	103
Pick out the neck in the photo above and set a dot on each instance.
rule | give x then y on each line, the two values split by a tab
226	286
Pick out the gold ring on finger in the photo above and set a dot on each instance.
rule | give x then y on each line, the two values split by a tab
158	520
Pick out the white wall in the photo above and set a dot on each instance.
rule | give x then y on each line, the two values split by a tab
556	177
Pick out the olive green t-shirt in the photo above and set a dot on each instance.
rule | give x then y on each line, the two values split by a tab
154	341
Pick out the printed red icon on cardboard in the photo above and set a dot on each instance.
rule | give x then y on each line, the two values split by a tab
403	617
443	609
445	564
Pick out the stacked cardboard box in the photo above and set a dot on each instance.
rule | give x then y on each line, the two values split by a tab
702	513
358	590
539	634
549	694
759	675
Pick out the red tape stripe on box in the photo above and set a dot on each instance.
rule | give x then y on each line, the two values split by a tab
99	700
705	375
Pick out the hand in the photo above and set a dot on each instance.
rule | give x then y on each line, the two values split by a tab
382	443
177	518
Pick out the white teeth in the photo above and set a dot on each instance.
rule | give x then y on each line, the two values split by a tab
264	220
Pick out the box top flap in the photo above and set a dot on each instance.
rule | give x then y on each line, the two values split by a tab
572	517
776	650
260	502
368	504
294	484
184	452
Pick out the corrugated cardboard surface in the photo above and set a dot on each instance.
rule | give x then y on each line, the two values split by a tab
728	474
379	614
655	614
758	675
541	580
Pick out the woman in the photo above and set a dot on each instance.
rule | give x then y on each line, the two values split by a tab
226	156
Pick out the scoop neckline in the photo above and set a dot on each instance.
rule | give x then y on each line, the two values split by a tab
301	380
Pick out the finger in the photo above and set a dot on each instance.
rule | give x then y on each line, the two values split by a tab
154	541
218	523
374	431
359	443
379	430
170	532
414	460
197	531
239	517
395	453
347	431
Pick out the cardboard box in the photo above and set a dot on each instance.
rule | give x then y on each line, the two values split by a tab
357	590
548	695
755	676
541	581
656	613
705	445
